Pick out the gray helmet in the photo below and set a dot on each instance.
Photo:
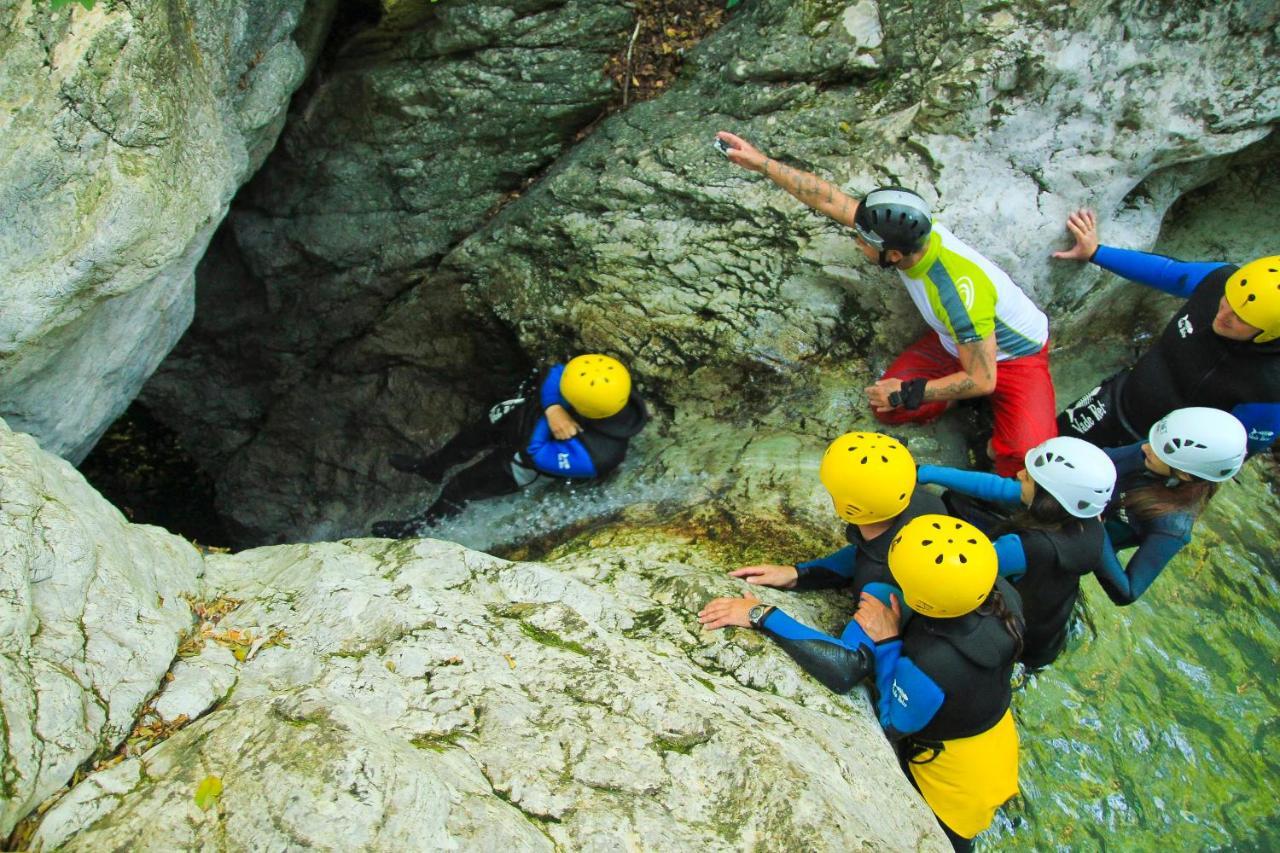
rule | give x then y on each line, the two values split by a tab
893	218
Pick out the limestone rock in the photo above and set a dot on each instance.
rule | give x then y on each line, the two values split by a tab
197	684
90	616
127	131
428	691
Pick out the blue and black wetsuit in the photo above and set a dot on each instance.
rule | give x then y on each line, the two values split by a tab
942	691
1189	364
521	447
862	565
1045	565
1157	539
863	561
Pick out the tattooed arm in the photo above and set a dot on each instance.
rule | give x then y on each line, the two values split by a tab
977	379
822	196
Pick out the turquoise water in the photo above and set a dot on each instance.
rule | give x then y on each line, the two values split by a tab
1159	727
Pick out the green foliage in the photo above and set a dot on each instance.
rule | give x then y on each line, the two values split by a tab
58	4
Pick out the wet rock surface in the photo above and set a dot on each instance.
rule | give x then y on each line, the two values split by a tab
379	693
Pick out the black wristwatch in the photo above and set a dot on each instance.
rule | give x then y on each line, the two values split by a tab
757	613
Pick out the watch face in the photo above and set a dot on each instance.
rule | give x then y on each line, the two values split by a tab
754	614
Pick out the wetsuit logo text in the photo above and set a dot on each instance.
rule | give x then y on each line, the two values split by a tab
1184	326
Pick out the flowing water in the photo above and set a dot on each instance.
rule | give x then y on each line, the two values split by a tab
1159	727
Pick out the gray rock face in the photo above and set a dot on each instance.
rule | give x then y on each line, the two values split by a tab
644	242
404	146
91	609
394	694
127	132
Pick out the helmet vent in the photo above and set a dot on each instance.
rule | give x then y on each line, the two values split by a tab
938	560
963	558
1252	296
1083	504
926	542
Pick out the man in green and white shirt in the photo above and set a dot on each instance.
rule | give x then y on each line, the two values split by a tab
988	338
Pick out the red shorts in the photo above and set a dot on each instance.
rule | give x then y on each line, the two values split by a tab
1023	401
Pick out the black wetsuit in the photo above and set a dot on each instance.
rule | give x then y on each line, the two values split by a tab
1055	562
864	561
1189	365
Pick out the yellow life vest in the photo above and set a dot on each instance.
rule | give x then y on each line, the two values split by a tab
969	778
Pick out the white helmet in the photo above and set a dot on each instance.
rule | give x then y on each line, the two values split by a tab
1075	472
1208	443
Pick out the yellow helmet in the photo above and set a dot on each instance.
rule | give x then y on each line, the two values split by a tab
1253	291
870	476
597	386
946	567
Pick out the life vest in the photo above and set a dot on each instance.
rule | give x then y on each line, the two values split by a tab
1056	560
1191	365
965	761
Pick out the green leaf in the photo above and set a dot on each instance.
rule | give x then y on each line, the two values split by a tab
207	792
729	4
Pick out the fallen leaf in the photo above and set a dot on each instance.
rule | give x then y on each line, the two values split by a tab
511	662
207	792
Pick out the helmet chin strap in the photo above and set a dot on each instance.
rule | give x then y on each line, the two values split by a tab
884	263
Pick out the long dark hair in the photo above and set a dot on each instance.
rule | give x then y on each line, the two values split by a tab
1156	499
995	606
1045	513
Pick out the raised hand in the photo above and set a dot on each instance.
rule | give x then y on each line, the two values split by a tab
742	153
1084	228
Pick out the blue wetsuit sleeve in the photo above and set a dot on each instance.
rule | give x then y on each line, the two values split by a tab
549	393
975	484
909	698
830	571
1127	459
1179	278
1261	421
558	458
1010	557
839	663
1126	584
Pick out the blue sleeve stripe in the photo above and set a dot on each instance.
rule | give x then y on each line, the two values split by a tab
1013	342
549	393
1011	557
1179	278
559	458
840	562
976	484
781	624
961	324
911	700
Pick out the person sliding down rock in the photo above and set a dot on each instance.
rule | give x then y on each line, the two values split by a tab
871	478
988	339
577	427
1221	349
941	677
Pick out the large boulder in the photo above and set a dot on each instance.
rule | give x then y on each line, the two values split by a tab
382	695
126	133
91	612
